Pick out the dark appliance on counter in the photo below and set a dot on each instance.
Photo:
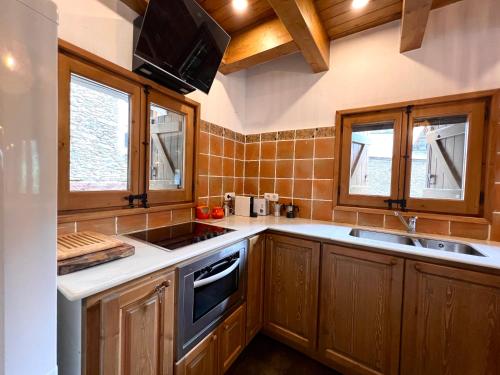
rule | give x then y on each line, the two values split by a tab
178	45
208	290
291	211
178	236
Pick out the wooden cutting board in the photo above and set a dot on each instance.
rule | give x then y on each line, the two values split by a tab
82	243
93	259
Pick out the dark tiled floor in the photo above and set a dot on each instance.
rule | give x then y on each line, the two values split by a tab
265	356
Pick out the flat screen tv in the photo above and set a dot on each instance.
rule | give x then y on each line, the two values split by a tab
179	45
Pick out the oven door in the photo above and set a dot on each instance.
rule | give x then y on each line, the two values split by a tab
209	288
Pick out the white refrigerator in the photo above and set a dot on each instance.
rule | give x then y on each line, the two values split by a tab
28	186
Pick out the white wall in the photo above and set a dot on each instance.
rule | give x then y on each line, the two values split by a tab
460	53
28	187
104	27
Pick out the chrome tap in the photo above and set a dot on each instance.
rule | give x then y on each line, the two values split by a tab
411	225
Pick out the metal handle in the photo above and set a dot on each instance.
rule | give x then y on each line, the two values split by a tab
217	276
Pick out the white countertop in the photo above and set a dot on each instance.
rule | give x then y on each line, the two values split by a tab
150	258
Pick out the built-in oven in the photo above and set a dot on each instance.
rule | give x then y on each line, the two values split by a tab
208	290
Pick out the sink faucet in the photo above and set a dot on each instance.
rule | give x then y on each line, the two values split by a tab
411	225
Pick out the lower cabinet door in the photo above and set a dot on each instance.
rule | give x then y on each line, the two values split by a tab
202	359
360	310
291	291
255	284
232	338
130	330
451	321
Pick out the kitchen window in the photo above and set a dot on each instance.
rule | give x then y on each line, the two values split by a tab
423	158
170	158
118	139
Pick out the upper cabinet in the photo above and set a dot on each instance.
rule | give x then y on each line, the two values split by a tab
120	135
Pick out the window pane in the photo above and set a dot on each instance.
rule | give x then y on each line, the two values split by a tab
371	159
167	129
99	131
438	158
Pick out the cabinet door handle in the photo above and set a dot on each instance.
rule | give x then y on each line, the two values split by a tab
161	286
214	337
226	327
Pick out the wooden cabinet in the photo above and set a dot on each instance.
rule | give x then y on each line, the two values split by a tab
360	310
203	359
130	328
232	338
451	321
216	353
291	290
255	283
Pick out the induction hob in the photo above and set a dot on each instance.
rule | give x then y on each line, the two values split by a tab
178	236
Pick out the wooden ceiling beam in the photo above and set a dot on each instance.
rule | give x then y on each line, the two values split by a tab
413	23
261	43
138	6
304	25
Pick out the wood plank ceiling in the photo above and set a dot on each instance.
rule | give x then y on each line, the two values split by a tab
268	29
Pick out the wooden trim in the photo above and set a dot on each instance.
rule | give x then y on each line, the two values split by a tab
490	157
413	23
471	204
72	200
110	335
305	26
345	197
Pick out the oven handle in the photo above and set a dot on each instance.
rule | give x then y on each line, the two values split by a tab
217	276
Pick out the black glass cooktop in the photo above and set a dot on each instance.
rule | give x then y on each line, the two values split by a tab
180	235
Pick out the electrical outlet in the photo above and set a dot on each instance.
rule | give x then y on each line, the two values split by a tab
228	196
272	197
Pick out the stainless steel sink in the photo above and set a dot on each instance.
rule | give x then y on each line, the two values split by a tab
381	236
454	247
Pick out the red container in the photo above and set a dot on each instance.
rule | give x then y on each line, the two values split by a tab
202	212
217	213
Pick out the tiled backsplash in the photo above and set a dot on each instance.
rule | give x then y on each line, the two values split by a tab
127	223
221	163
297	165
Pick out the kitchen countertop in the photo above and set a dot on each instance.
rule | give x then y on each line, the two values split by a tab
149	258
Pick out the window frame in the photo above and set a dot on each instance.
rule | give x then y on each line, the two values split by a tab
80	200
358	120
101	204
470	205
185	194
473	105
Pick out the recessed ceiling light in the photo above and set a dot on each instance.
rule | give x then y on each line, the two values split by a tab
240	5
9	61
358	4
